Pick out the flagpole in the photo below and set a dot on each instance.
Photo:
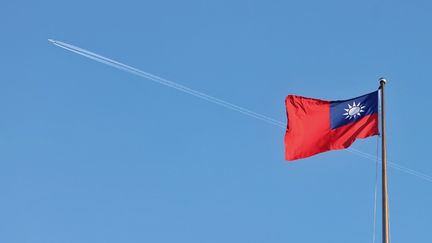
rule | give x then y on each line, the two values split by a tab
385	209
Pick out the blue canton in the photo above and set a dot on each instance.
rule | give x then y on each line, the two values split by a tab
343	112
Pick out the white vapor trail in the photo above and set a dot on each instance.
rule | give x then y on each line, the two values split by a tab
110	62
392	164
171	84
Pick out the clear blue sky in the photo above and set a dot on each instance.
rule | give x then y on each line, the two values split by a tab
92	154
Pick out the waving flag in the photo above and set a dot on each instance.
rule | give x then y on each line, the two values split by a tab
315	126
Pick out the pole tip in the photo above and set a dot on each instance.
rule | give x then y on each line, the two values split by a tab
382	80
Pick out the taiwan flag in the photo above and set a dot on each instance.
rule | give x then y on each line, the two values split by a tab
315	126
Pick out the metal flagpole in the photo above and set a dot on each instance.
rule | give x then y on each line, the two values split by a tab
385	209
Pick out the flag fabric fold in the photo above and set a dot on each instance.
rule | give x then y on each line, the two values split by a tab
316	126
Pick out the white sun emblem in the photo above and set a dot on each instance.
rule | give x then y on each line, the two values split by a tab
354	110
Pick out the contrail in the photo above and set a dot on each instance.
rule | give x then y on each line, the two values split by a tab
392	164
171	84
110	62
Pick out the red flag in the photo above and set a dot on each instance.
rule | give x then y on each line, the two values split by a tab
315	126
